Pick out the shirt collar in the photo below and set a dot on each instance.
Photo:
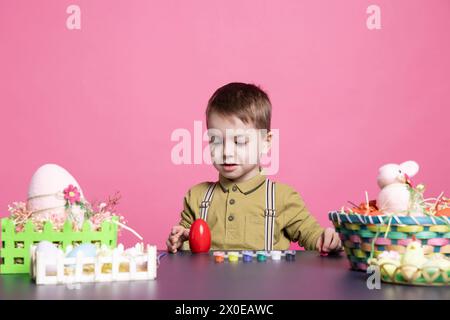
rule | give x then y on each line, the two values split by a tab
245	186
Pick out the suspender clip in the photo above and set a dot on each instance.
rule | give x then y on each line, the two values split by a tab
205	204
269	212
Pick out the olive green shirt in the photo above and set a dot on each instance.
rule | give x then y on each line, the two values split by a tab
236	215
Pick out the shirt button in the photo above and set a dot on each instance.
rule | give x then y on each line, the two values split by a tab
232	201
234	188
230	218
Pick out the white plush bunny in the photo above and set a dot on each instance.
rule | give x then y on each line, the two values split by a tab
395	195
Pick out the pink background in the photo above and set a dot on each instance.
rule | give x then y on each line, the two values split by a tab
103	101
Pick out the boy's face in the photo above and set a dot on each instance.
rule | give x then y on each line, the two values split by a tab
236	147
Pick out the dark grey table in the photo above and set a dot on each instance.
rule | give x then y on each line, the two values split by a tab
188	276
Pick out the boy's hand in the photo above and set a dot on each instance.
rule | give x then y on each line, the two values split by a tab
329	241
178	235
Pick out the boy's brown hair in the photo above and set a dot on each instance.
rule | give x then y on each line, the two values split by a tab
246	101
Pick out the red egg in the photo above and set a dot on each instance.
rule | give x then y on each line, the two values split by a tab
199	236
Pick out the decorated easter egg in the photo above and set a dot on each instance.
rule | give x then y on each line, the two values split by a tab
46	191
435	263
85	249
199	236
389	261
47	247
48	250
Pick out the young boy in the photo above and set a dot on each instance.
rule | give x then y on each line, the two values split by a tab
244	209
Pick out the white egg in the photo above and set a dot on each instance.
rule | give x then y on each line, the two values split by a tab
45	192
49	252
437	262
47	247
85	249
388	266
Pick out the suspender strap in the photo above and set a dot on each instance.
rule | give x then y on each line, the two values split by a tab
269	216
204	206
269	212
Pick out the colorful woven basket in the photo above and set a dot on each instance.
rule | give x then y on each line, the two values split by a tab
361	235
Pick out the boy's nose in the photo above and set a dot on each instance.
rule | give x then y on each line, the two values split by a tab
229	150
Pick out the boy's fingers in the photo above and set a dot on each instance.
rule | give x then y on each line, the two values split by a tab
186	233
169	246
339	245
177	230
335	241
169	243
173	248
177	236
327	240
173	238
320	242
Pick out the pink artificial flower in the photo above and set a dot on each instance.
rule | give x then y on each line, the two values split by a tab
71	194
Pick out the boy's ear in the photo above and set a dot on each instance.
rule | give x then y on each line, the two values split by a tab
267	143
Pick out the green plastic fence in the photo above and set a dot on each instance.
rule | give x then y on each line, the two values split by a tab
15	249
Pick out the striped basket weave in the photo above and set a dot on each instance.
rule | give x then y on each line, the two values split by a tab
359	233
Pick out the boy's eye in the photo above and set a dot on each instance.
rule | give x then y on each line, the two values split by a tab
215	140
240	140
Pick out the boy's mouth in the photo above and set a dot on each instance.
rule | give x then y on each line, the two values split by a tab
229	166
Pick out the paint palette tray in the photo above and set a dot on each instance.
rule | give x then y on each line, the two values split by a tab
250	256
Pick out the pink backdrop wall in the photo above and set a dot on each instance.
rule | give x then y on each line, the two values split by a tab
103	101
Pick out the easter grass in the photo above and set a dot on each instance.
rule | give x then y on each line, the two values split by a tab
96	213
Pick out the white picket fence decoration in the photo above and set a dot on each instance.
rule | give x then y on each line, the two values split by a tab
142	266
